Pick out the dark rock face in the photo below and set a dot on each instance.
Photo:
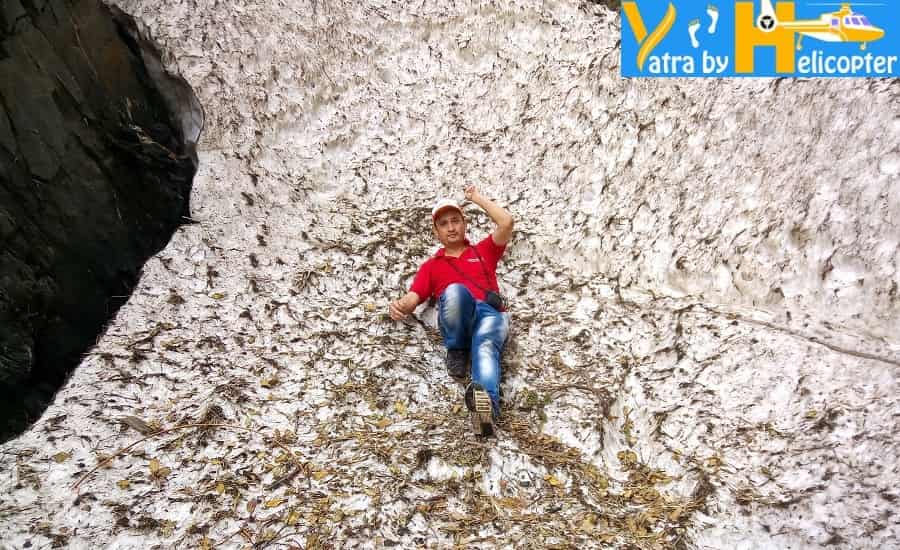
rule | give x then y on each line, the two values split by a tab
96	163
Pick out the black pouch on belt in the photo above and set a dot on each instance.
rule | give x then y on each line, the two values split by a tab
495	300
491	298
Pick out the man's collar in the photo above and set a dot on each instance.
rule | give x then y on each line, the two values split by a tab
443	251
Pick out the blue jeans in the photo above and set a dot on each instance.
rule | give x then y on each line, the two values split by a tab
467	323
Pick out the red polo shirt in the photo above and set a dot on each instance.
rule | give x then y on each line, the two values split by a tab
437	273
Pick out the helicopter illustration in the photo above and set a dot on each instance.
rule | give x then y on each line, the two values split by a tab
844	25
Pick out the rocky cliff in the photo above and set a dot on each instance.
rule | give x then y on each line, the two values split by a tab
96	161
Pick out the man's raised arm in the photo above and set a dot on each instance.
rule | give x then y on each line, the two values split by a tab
500	216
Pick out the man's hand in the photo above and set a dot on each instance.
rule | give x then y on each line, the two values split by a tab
472	194
401	308
397	312
501	217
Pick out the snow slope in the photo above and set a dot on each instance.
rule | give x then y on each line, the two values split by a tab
704	282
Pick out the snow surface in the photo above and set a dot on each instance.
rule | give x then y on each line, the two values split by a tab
704	284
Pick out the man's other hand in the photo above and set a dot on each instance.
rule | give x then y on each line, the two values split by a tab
404	306
500	216
397	312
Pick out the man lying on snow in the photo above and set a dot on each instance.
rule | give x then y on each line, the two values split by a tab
471	313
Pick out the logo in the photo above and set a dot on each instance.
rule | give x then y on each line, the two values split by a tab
757	38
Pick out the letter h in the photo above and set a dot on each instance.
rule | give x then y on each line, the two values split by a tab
747	36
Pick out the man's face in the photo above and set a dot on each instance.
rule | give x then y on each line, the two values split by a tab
450	228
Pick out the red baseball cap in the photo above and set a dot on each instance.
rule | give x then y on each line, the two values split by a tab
442	205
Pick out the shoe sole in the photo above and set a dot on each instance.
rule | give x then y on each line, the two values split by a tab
482	417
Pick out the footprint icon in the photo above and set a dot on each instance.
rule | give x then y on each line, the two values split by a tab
693	27
714	15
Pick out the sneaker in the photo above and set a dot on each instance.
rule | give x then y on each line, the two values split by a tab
479	404
457	363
